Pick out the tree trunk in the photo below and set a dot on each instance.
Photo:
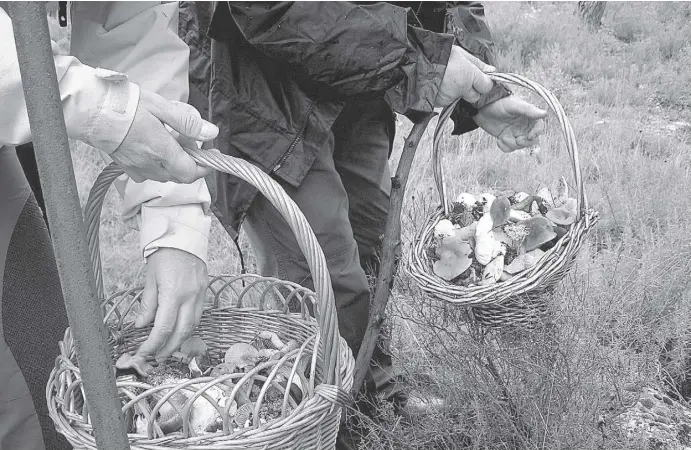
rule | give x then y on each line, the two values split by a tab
591	13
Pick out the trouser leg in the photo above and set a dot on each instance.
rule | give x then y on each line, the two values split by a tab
345	199
323	200
364	135
32	316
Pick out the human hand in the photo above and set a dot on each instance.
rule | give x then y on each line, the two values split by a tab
176	283
149	151
464	78
513	121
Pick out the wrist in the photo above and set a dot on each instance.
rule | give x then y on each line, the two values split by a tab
110	101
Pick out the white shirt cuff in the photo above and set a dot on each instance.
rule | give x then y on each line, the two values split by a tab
184	227
111	123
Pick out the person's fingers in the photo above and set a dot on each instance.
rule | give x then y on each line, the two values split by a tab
149	302
184	326
182	167
503	147
472	96
531	142
164	325
521	142
532	112
537	130
482	83
509	142
181	117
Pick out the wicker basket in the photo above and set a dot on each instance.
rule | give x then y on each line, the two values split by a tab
519	300
240	307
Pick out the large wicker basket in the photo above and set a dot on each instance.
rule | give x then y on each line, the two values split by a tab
240	306
520	300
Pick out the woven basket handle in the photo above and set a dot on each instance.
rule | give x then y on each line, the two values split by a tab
555	106
326	308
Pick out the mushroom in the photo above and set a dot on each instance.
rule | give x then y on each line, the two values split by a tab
194	346
273	337
564	215
443	228
525	204
492	271
546	195
223	369
467	200
520	196
559	191
486	247
500	210
195	370
466	233
540	232
454	258
168	374
487	199
241	356
560	216
524	261
204	417
570	204
243	414
505	276
516	215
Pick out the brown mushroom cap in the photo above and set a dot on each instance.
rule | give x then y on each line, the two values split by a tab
541	232
561	216
241	355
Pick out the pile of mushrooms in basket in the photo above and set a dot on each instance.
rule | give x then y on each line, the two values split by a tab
489	238
194	361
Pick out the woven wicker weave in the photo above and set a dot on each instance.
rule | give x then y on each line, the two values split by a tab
240	307
519	300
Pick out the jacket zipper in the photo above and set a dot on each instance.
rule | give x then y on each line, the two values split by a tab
286	155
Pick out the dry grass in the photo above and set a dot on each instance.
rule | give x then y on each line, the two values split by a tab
623	90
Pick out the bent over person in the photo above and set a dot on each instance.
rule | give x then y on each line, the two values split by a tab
127	122
308	91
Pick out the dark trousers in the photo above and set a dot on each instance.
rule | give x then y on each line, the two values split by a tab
32	315
345	198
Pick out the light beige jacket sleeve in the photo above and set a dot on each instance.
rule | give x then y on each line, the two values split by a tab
141	40
98	105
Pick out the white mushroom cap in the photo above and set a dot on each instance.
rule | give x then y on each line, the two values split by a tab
466	199
443	228
489	199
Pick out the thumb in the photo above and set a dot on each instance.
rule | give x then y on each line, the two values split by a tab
533	112
149	301
181	117
481	82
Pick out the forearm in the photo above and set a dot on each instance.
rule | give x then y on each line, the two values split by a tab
98	106
141	39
